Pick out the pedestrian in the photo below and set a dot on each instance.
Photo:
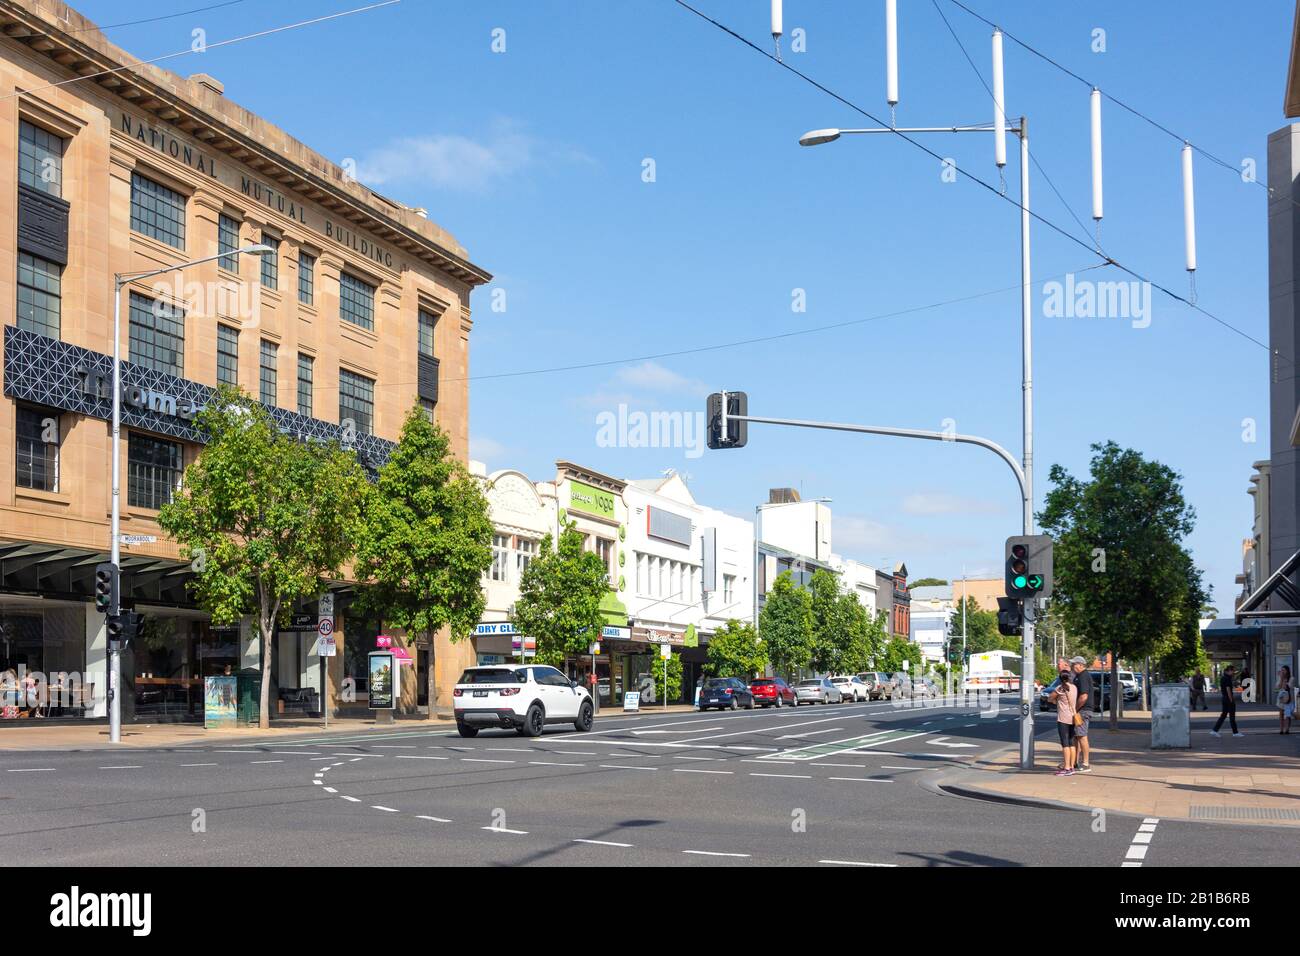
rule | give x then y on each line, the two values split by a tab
1285	700
1198	689
1065	697
1228	693
1083	709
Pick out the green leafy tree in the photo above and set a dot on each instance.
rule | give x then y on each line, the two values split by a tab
427	541
876	638
864	639
899	649
263	518
1120	574
835	624
981	630
559	597
674	689
1183	652
735	651
786	626
926	583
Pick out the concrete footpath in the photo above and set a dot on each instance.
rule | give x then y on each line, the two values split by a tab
1253	779
23	735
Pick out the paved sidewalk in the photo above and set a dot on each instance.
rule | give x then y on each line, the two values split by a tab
1247	780
58	735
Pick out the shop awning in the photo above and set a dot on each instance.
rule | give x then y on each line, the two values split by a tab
1278	597
52	571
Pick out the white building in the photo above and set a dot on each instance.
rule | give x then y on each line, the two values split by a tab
932	611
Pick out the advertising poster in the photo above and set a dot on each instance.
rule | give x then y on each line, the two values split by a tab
381	681
220	702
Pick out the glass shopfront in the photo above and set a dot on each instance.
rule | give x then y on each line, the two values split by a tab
43	663
167	662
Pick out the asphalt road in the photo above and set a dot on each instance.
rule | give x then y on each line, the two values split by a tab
849	784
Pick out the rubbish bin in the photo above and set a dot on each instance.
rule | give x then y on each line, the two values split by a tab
1171	717
250	696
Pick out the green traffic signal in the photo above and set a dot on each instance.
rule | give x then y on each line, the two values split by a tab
1036	582
1020	581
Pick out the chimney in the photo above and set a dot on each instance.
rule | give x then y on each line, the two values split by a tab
209	83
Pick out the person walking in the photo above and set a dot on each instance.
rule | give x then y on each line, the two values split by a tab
1083	707
1285	700
1198	689
1229	711
1065	697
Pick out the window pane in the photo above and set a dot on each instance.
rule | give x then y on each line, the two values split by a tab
356	301
38	460
157	335
267	376
304	384
306	278
153	470
228	242
157	211
40	159
39	290
356	401
271	262
227	355
427	323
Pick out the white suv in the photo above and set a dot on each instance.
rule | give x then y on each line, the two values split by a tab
526	697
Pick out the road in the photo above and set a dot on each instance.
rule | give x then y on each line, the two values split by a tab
847	785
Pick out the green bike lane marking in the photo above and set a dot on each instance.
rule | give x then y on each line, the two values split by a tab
834	747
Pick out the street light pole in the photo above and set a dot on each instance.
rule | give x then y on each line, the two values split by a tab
120	280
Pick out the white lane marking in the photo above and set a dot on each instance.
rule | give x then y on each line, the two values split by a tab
701	770
297	753
943	742
784	726
504	830
693	730
319	783
46	769
1130	863
793	754
1142	837
330	790
266	761
711	853
1151	820
129	766
855	863
420	816
574	753
349	799
511	750
926	723
354	760
845	766
1147	828
198	765
811	733
485	760
385	809
689	757
767	762
394	746
418	757
885	766
1136	852
230	751
787	776
605	843
314	759
553	763
863	779
619	766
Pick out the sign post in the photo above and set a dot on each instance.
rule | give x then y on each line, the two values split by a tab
666	652
325	648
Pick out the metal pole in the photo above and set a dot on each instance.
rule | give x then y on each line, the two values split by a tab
1026	333
114	653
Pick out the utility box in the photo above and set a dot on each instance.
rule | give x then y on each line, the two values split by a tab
1171	717
250	696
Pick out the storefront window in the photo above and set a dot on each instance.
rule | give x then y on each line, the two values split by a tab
167	672
43	662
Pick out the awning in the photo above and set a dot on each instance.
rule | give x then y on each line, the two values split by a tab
53	571
1276	597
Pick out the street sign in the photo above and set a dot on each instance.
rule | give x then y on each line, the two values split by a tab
325	628
595	648
325	605
665	651
137	538
1274	621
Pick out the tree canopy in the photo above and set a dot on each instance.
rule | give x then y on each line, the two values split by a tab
559	597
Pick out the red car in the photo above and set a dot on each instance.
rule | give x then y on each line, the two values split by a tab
771	692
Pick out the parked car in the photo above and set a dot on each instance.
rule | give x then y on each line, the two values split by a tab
725	693
852	687
917	687
878	684
525	697
817	690
771	692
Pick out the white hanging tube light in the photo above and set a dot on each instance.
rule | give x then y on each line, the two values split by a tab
1096	155
999	104
777	26
891	52
1189	208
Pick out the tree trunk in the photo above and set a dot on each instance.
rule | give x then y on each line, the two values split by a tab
1116	692
264	709
432	691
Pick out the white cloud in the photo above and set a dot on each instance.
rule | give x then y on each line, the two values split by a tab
652	376
941	503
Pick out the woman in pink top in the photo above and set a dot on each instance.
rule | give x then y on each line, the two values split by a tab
1065	696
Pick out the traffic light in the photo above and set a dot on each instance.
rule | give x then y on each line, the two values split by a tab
1011	617
107	589
737	431
123	628
1029	566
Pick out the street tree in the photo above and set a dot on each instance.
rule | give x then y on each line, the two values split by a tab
735	651
981	629
836	628
786	626
899	649
1120	577
926	583
864	639
426	541
673	690
559	597
264	518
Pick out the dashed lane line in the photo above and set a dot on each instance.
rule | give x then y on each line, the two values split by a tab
701	770
420	816
626	846
855	863
505	830
786	776
129	766
714	853
1137	850
553	763
35	769
619	766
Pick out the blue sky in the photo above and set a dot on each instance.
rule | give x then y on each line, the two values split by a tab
533	158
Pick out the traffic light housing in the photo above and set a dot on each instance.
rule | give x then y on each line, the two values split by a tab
1029	566
737	431
107	588
123	628
1011	617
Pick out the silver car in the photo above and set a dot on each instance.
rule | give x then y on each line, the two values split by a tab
816	690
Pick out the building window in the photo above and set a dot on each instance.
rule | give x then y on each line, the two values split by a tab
427	323
40	159
427	407
268	386
157	335
39	295
227	355
306	278
500	557
605	548
525	551
153	470
304	385
157	211
227	243
271	262
356	401
356	301
38	449
728	588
